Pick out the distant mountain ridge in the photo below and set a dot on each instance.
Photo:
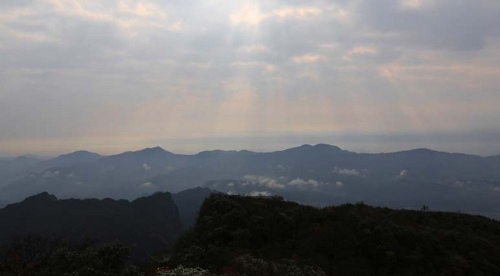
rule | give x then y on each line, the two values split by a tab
70	159
319	175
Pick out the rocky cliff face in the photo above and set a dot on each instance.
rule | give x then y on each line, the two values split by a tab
148	224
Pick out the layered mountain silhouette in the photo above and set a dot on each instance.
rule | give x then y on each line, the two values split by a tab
148	224
70	159
317	175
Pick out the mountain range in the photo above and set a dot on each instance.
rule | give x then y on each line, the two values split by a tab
318	175
148	225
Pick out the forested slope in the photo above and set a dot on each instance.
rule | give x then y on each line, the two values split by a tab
269	236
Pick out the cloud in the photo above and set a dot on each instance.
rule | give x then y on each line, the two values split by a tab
253	48
297	13
352	172
147	185
245	70
249	15
360	51
281	167
263	181
455	25
306	59
311	183
414	4
146	167
49	173
259	193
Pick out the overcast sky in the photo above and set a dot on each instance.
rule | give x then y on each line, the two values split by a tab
189	75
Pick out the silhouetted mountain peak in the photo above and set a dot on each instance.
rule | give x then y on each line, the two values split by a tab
430	152
328	147
210	152
195	190
251	152
70	159
79	154
423	151
215	153
151	224
155	197
153	150
44	196
145	155
76	157
306	148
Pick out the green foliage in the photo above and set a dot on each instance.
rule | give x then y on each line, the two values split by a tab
258	236
185	271
250	266
36	256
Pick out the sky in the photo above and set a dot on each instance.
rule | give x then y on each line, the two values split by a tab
190	75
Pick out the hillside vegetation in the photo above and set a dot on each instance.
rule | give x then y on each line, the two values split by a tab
237	235
148	225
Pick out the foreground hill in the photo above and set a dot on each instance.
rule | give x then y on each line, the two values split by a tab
269	236
148	224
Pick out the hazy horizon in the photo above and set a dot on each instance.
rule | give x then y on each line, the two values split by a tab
368	76
180	148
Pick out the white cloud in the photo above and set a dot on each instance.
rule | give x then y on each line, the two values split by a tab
269	68
249	15
147	185
339	184
253	48
362	51
259	193
414	4
352	172
297	13
146	167
281	167
311	183
304	59
263	181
